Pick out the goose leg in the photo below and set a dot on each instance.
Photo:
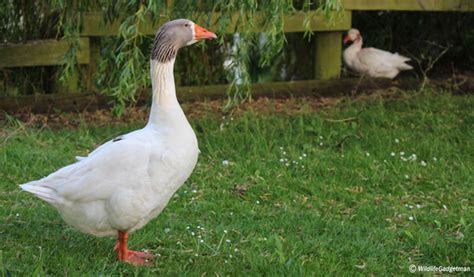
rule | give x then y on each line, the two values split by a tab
129	256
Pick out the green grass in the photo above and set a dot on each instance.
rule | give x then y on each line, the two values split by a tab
347	205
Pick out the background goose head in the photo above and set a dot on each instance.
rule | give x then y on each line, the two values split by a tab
174	35
352	35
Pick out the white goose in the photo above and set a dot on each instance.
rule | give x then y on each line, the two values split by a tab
371	61
128	181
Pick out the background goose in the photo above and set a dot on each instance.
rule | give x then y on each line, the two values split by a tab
128	181
371	61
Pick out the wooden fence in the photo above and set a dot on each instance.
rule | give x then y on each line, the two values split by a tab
328	44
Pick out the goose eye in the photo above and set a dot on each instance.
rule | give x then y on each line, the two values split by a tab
186	24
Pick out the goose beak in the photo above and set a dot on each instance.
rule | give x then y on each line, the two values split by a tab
200	33
346	39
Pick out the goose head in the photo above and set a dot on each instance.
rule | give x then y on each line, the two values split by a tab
176	34
352	35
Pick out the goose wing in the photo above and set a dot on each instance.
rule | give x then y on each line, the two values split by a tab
115	165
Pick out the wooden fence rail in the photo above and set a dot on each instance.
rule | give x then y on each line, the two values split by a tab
410	5
41	53
327	39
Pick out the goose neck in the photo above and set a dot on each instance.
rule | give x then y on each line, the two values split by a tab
164	101
351	52
357	44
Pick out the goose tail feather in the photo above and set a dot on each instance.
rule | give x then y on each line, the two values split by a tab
44	193
404	66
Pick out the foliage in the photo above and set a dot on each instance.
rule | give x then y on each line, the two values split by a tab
315	192
123	65
123	61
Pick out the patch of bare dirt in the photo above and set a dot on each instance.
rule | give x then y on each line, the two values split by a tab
193	110
215	108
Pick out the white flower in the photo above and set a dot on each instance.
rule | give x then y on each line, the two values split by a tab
281	148
301	158
201	241
392	154
320	137
192	233
258	202
195	191
402	153
287	164
227	240
367	154
304	154
196	254
320	144
397	141
410	218
435	159
406	176
423	163
225	162
225	231
284	153
444	206
17	215
302	166
167	230
236	250
187	228
281	160
418	206
385	161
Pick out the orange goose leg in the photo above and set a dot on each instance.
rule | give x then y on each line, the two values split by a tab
129	256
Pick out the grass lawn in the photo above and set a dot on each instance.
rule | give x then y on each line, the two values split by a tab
363	186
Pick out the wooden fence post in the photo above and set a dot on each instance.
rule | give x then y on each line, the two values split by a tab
327	64
92	68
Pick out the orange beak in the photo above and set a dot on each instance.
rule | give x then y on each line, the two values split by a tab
200	33
346	39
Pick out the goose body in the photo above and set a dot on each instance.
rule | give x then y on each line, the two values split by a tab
126	182
372	62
